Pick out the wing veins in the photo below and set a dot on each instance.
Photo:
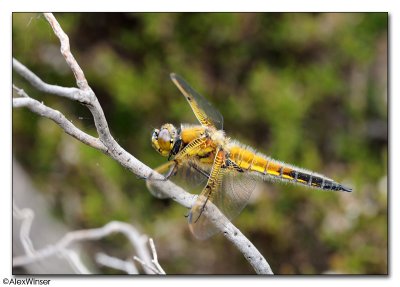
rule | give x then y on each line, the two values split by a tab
204	111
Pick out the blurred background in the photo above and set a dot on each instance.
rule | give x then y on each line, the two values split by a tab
307	89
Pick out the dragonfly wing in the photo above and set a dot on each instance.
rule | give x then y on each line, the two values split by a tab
191	178
187	176
236	190
204	111
230	198
199	224
230	195
153	183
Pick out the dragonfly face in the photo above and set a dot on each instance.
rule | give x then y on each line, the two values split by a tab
164	139
229	169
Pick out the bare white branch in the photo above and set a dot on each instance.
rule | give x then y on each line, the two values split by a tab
116	263
63	245
147	266
66	52
70	93
75	261
157	269
20	92
107	144
155	258
26	215
44	111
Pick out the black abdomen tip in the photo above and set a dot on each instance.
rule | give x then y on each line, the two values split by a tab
344	188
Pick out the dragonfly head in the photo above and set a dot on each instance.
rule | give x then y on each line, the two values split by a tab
163	139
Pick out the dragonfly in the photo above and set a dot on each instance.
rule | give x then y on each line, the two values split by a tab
228	169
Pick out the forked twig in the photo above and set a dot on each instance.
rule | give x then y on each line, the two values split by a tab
155	257
63	246
157	269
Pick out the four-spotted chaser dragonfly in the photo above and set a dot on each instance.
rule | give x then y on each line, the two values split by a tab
229	168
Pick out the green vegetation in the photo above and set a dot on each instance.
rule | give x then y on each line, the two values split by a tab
307	89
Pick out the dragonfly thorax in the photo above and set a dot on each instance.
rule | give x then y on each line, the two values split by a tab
218	137
163	139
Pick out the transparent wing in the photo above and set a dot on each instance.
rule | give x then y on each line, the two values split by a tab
153	184
204	111
236	190
230	197
186	177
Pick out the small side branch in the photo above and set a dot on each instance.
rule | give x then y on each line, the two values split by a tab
66	52
70	93
155	257
157	269
44	111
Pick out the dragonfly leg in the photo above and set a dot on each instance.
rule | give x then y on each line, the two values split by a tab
201	210
214	180
230	163
171	171
202	172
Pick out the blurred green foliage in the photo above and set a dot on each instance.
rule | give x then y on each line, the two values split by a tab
308	89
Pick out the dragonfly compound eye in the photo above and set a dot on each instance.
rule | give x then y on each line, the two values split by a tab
163	141
155	134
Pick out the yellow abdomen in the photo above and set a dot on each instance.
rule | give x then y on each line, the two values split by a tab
250	161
